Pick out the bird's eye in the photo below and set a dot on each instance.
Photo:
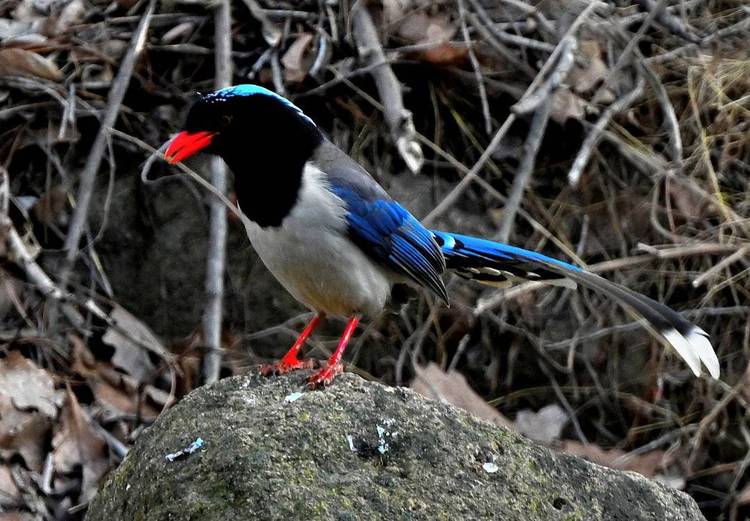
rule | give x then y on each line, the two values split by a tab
226	120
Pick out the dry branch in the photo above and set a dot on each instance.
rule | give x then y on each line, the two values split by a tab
91	168
397	117
587	148
216	261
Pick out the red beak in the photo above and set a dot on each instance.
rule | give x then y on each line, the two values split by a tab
185	144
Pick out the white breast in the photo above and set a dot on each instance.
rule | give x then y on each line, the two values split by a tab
314	260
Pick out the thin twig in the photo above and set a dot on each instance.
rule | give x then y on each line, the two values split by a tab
476	68
91	168
397	117
216	260
592	139
454	194
523	176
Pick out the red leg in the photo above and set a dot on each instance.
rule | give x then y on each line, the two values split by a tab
289	361
324	376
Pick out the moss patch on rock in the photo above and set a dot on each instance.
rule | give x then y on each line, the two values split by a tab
359	450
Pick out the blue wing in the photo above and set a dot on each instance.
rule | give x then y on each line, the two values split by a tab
387	232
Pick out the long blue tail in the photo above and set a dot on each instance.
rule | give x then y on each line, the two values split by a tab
495	263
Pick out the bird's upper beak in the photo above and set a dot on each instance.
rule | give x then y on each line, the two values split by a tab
185	144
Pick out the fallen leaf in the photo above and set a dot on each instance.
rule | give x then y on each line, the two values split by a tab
647	464
544	426
434	383
566	105
11	496
420	28
130	353
72	14
23	433
294	59
743	498
77	443
28	386
444	54
586	79
20	62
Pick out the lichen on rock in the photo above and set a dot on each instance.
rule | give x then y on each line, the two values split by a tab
358	450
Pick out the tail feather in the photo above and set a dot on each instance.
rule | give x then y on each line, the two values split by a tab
494	263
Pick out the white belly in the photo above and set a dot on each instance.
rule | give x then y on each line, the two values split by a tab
314	260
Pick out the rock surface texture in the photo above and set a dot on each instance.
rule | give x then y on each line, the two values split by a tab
358	450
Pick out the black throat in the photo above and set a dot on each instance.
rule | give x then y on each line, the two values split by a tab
268	160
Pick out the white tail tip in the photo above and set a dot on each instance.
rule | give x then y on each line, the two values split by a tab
694	348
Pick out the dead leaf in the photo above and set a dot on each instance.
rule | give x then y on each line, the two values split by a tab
70	15
77	443
434	383
647	464
444	54
17	516
743	498
544	426
23	433
566	105
130	353
11	496
394	10
28	386
294	59
420	28
20	62
586	79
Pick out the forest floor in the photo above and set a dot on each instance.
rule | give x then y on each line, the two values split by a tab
613	134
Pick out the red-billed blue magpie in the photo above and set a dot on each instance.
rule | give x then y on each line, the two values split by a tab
338	243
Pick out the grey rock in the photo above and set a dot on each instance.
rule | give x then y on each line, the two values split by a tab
359	450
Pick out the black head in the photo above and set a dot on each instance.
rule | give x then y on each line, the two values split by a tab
243	120
265	140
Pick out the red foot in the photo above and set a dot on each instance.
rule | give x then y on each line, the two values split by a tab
284	366
324	377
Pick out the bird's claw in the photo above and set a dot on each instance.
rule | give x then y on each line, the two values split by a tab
284	366
324	377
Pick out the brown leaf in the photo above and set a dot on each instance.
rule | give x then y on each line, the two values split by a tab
420	28
445	54
130	355
586	79
75	443
28	386
434	383
566	105
743	498
544	426
20	62
8	489
23	433
647	464
17	516
294	60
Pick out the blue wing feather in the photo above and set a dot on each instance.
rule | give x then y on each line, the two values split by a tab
391	235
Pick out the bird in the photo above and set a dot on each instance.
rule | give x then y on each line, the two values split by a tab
338	243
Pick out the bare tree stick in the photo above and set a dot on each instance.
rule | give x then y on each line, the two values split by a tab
19	254
396	115
535	99
216	261
94	159
582	158
476	68
668	20
498	46
523	176
553	59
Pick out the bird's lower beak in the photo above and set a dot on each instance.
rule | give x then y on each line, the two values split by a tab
185	144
